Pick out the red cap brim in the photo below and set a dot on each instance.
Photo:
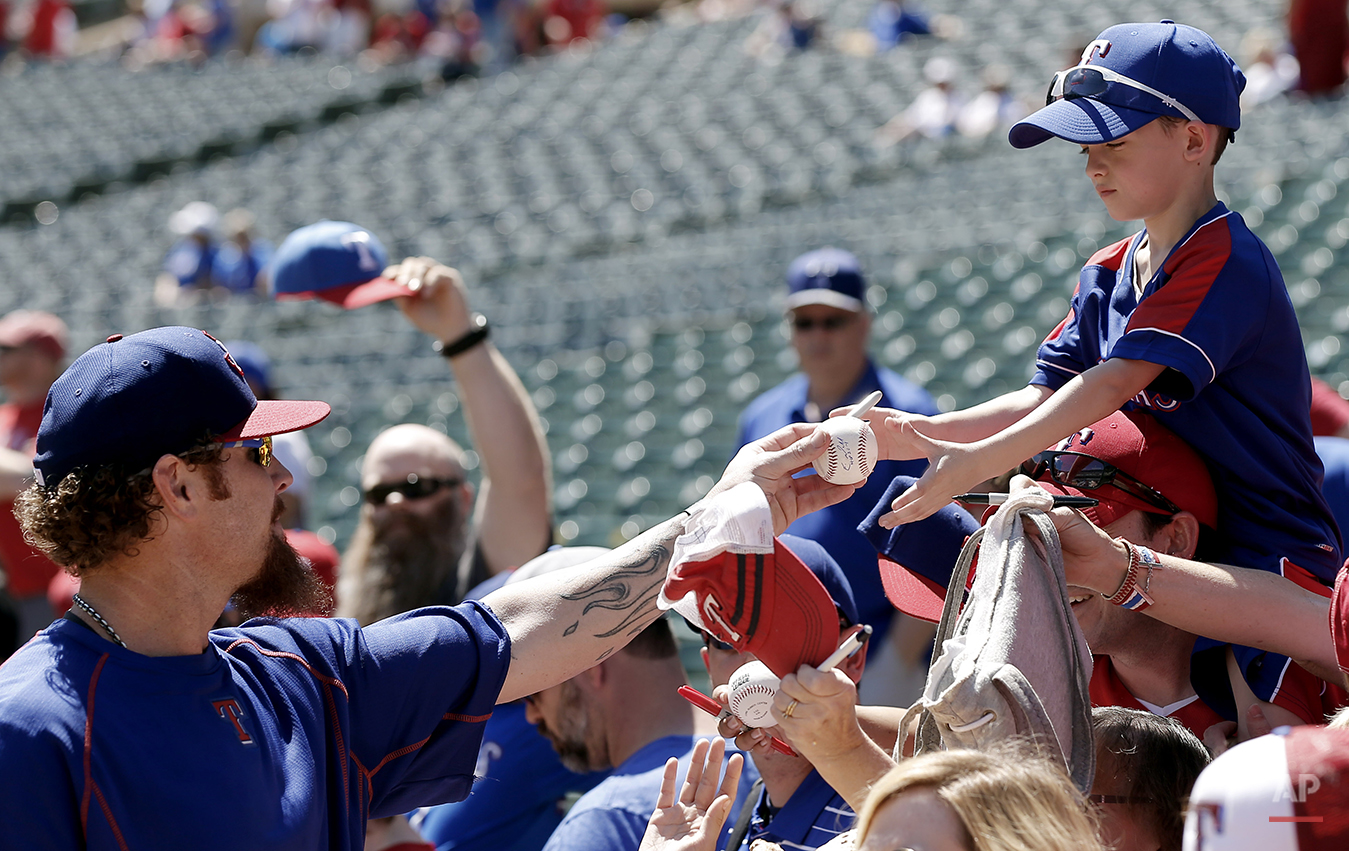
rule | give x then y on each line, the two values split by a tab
351	296
277	417
914	595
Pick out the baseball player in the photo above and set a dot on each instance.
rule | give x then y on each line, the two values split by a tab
1189	318
129	724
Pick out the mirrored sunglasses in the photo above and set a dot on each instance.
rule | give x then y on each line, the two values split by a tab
261	446
1084	472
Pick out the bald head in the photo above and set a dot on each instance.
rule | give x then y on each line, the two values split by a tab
411	450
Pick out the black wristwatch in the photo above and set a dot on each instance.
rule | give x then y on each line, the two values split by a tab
478	331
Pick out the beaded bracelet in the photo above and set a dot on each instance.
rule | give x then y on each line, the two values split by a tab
1140	599
1126	587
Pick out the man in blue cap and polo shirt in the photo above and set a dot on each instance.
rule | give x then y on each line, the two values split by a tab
830	324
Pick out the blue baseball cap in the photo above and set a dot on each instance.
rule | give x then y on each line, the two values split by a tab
133	399
916	559
336	261
1182	64
829	276
826	569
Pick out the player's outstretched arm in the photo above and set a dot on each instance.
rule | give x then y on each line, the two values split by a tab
565	622
955	467
692	820
514	510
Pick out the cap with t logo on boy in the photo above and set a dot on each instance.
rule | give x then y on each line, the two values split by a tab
1149	70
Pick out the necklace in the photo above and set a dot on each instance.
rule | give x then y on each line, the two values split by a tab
93	613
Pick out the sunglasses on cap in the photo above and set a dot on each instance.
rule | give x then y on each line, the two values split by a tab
414	488
1076	470
261	447
1092	81
828	323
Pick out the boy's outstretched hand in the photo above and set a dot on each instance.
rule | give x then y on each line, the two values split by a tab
953	468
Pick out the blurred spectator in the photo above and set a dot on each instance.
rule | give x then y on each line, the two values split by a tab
566	21
933	112
241	259
397	37
32	346
1145	766
1330	411
790	25
892	21
293	24
1319	33
1270	69
189	268
830	324
456	40
45	29
348	29
522	788
993	109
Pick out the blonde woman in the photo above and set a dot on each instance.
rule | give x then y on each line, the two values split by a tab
949	801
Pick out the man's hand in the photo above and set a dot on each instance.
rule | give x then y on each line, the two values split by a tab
693	821
771	462
438	305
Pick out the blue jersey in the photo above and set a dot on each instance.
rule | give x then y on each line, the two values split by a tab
835	527
1236	388
283	734
519	798
613	816
812	816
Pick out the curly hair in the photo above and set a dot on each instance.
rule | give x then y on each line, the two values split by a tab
96	513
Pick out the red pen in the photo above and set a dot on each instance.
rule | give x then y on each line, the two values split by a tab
711	707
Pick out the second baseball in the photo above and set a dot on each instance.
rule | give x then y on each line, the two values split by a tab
752	688
852	451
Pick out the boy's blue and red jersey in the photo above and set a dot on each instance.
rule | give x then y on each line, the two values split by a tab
1236	387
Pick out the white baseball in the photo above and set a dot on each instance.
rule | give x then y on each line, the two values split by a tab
852	451
752	688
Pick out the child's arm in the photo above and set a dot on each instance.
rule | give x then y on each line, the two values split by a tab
954	467
982	420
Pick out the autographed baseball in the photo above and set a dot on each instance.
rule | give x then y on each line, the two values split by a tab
752	688
852	451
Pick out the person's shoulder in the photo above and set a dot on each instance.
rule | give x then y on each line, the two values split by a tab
44	683
776	398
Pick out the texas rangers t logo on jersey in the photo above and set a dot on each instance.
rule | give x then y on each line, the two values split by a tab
229	710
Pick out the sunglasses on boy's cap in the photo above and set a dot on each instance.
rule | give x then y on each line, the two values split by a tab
132	399
1129	76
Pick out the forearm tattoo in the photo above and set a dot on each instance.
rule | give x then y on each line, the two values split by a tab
630	591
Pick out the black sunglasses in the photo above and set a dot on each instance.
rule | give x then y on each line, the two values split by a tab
1076	470
828	323
1092	81
414	488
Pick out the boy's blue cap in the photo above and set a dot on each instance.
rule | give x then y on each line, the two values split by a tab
1182	62
829	276
826	569
336	261
133	399
916	559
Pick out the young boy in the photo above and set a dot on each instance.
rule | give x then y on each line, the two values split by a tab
1189	318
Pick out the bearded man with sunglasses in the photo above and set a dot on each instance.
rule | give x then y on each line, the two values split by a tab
425	535
830	325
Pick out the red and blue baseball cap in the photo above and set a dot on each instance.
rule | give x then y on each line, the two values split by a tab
1131	75
133	399
829	276
916	559
335	261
